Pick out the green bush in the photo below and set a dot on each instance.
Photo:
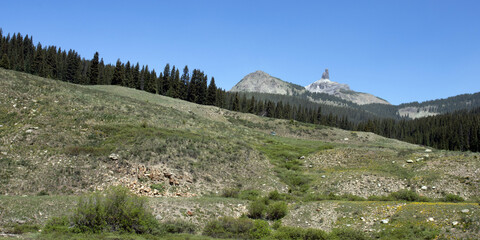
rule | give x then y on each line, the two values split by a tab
453	198
178	226
347	234
57	224
231	192
275	195
408	195
159	186
276	211
257	209
241	228
115	210
250	194
286	233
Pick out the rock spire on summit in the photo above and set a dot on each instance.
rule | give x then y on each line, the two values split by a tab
325	74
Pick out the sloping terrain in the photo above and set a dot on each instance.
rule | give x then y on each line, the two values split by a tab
61	139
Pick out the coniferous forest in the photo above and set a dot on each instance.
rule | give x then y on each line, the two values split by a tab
454	131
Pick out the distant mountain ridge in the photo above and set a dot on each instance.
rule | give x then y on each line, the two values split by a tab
329	93
262	82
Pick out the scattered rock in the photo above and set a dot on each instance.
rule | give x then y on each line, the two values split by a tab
430	219
114	156
424	187
428	150
310	166
434	187
384	221
362	218
455	223
409	161
323	176
302	157
29	131
1	125
465	210
345	139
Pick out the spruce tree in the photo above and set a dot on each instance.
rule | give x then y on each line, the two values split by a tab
184	82
5	63
165	81
211	92
136	76
93	72
118	73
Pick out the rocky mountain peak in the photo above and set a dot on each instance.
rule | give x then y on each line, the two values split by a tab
325	74
260	81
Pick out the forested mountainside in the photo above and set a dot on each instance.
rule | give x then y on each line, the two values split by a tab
19	54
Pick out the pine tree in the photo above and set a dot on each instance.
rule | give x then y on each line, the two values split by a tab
165	81
211	92
184	82
93	72
72	67
129	82
5	63
136	76
118	74
236	103
39	61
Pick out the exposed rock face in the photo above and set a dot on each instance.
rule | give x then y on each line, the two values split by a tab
324	85
327	86
260	81
325	74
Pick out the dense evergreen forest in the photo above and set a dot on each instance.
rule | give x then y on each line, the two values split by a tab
455	131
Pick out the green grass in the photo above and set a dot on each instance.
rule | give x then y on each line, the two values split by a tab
285	154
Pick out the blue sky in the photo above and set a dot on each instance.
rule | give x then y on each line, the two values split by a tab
402	51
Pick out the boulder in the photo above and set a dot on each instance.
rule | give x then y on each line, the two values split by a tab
114	156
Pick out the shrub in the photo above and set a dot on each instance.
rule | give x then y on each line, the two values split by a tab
453	198
251	194
408	195
241	228
231	192
275	195
178	226
57	224
257	209
115	210
159	186
277	211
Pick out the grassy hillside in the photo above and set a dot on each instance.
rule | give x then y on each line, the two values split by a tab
60	139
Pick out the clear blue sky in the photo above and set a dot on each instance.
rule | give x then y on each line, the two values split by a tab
402	51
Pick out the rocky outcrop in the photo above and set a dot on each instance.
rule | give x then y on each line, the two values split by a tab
262	82
325	74
343	91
